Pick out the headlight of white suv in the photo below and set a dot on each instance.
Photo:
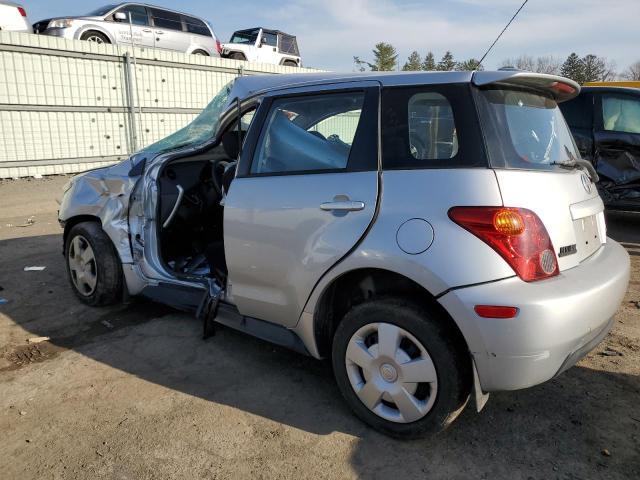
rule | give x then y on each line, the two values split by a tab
60	23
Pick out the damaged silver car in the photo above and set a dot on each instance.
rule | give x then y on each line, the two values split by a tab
436	235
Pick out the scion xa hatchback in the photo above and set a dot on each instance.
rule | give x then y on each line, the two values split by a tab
436	235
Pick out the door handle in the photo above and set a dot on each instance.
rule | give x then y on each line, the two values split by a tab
146	30
343	206
159	32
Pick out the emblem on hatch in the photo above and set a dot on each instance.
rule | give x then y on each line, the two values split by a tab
586	182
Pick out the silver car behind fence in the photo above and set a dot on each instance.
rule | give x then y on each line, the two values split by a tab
140	24
435	234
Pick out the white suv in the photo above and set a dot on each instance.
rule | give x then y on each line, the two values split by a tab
13	17
264	46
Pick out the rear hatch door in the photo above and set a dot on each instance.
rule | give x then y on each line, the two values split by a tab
533	155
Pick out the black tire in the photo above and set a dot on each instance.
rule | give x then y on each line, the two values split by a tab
237	56
451	361
108	269
92	34
289	63
200	52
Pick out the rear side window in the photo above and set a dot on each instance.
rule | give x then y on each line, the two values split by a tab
621	113
308	134
431	126
288	44
196	26
524	129
165	19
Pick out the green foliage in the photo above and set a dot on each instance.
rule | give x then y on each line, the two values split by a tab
385	57
414	62
573	68
447	62
429	62
468	65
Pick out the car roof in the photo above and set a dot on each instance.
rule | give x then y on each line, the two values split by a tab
149	5
248	86
611	89
269	30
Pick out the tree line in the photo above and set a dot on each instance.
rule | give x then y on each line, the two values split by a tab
589	68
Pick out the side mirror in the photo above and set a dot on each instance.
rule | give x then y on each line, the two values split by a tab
120	17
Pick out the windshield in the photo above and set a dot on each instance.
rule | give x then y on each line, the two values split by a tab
201	129
524	129
98	12
246	37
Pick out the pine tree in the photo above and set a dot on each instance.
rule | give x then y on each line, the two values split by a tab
468	65
447	62
429	62
573	68
385	57
413	62
593	68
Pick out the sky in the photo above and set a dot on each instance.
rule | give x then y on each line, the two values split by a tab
331	32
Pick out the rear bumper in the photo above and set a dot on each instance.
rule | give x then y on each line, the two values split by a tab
559	320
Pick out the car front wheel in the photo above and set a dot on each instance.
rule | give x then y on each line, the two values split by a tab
93	265
399	368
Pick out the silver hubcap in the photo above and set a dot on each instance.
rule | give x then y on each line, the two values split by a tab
82	265
95	39
391	372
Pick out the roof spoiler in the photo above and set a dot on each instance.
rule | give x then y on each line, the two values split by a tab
561	88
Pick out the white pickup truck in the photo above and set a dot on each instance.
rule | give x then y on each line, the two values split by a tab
264	46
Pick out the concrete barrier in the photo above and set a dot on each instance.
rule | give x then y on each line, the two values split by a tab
68	105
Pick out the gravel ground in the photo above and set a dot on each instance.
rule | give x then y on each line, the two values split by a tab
132	392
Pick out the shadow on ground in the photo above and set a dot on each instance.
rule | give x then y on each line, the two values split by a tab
559	428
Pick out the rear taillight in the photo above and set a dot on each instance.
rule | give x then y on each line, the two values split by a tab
517	234
22	11
218	46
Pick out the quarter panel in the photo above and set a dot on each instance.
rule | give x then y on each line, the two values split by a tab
455	257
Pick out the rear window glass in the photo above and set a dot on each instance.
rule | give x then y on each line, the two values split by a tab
164	19
288	44
432	130
524	129
196	26
309	134
431	126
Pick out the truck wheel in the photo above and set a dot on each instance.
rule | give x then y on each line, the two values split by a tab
236	56
399	368
95	37
93	265
290	63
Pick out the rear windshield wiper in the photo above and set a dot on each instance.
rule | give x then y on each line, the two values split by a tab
579	163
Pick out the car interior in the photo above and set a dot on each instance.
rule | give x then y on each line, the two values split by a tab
191	197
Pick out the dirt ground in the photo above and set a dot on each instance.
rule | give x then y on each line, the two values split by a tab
132	392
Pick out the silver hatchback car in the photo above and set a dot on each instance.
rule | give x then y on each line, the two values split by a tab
434	234
141	24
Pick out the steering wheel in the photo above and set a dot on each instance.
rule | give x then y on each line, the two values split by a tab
217	170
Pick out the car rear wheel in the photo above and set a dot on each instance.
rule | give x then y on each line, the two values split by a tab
399	368
290	63
202	53
95	37
93	265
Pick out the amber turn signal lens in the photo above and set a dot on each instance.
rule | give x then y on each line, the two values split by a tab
508	222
